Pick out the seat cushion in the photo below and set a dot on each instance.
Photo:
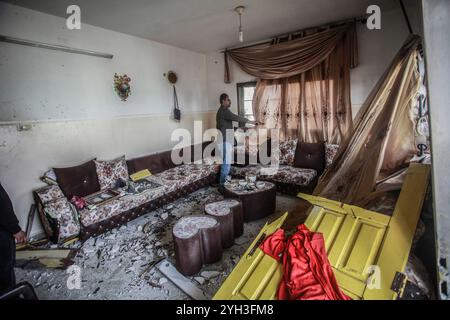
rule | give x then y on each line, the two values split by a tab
284	173
183	175
79	180
292	175
310	156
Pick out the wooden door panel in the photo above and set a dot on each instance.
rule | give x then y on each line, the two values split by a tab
361	249
355	239
256	276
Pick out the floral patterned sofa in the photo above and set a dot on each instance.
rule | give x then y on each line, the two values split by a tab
62	221
300	165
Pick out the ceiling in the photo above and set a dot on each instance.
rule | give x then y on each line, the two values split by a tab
206	25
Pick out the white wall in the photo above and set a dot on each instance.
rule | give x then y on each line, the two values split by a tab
70	101
376	50
45	84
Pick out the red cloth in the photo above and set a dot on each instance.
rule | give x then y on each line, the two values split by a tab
307	273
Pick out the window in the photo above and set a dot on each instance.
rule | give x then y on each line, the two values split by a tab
245	93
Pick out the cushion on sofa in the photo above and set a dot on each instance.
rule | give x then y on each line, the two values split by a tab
330	152
66	216
284	173
79	180
292	175
155	163
287	151
310	156
108	172
49	193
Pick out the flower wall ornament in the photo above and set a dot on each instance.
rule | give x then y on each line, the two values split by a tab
122	86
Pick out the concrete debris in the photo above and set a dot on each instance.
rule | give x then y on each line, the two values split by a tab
241	240
124	259
200	280
209	274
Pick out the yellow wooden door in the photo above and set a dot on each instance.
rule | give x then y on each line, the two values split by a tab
353	238
256	276
367	250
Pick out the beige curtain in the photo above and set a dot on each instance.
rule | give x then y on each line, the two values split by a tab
294	57
382	141
314	105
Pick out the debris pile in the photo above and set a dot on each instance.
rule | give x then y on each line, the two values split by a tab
120	264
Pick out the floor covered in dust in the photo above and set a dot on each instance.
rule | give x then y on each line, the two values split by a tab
115	265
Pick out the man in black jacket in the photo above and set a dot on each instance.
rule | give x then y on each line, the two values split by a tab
9	231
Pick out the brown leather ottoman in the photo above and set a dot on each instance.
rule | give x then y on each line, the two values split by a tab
229	212
197	241
257	203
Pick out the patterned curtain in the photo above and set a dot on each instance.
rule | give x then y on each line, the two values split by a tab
314	105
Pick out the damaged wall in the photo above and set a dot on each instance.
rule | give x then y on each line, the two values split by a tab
436	20
70	101
376	50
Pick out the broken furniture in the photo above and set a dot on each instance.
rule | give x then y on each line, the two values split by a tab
197	241
256	202
367	250
62	221
299	168
229	213
48	258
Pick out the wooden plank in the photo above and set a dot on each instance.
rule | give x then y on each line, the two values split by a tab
169	270
398	240
43	253
45	258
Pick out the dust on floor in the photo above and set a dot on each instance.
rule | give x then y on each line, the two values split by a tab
117	264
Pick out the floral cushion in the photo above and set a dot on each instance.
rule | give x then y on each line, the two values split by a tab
66	216
49	193
180	176
287	151
171	180
284	173
330	152
109	172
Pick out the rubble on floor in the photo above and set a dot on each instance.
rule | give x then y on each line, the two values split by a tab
120	264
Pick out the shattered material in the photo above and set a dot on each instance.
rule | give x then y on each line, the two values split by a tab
120	264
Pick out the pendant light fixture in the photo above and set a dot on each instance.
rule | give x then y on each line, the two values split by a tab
240	11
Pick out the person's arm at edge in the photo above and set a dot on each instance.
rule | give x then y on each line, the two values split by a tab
8	220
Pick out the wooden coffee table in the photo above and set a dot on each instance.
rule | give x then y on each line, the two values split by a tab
257	203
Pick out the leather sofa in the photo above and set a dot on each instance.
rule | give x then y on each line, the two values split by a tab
61	221
298	171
